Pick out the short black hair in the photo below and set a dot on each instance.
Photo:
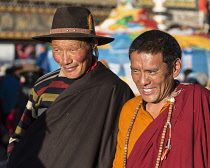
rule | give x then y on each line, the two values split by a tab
156	41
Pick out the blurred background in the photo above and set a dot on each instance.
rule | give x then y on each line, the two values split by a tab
23	61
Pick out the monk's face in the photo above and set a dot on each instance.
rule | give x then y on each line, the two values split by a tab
73	56
152	77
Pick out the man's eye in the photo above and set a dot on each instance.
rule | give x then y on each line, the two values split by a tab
151	72
56	49
134	70
74	49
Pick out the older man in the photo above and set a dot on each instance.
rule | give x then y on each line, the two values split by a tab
72	113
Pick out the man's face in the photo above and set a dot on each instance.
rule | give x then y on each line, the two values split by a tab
151	76
73	56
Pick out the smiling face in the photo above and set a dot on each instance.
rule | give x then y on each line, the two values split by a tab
152	77
73	56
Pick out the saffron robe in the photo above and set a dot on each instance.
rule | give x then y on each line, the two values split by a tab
143	119
79	129
190	133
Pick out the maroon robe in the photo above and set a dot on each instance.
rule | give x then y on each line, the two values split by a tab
190	139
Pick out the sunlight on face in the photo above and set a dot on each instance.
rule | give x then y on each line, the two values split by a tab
151	76
73	56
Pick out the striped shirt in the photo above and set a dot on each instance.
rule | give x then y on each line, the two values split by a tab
42	95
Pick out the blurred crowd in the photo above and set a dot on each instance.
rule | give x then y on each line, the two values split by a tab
15	86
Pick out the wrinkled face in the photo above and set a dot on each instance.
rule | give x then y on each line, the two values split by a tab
73	56
152	77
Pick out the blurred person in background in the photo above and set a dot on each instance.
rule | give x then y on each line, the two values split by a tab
42	58
71	117
199	77
28	74
9	91
186	73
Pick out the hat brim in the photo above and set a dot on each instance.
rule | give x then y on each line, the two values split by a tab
48	38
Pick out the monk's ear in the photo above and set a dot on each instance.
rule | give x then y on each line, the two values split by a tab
177	65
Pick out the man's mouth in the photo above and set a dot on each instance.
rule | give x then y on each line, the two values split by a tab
147	91
69	69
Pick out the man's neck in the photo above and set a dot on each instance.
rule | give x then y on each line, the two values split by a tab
155	108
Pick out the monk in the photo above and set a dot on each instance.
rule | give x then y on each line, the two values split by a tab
168	125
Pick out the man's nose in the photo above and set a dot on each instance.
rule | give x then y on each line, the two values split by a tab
144	79
67	59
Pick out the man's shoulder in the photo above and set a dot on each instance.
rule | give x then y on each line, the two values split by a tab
133	102
194	87
201	90
106	76
129	108
194	90
47	78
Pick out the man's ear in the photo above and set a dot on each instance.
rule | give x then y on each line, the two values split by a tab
177	65
94	44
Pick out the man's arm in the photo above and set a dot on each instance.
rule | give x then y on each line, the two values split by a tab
24	123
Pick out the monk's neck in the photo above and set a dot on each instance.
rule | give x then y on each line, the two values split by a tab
154	109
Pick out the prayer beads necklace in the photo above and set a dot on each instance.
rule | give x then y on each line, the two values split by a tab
128	134
167	124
